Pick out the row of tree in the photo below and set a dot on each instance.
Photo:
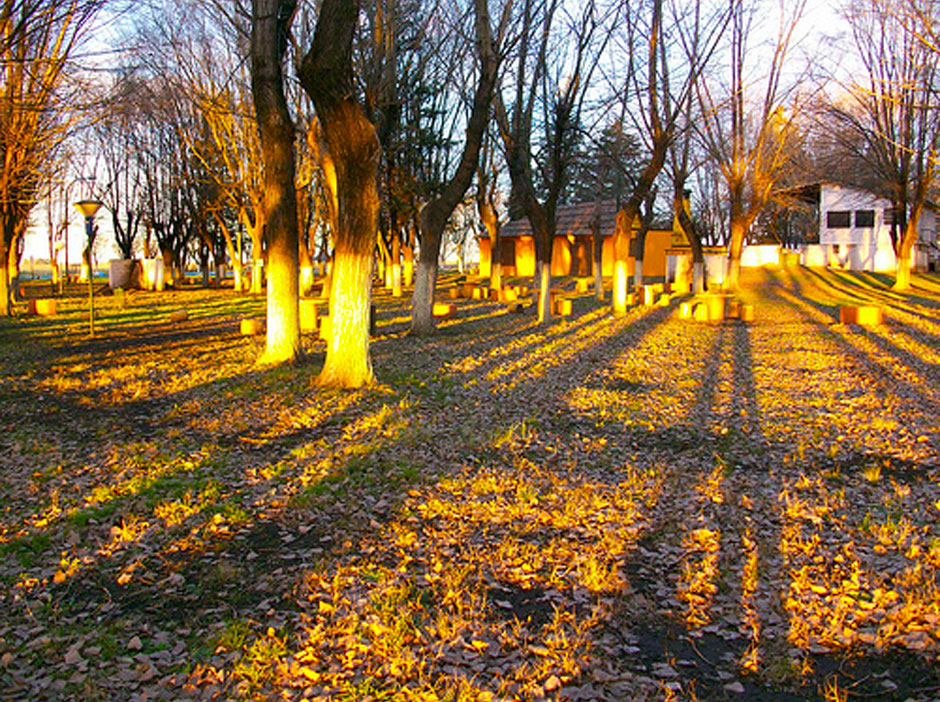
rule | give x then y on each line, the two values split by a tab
353	131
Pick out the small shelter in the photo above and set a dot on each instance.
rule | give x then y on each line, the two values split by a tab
573	244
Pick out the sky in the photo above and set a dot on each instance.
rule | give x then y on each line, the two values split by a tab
820	22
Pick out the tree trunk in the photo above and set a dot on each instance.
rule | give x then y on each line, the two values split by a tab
434	215
326	75
5	307
491	222
422	299
739	228
621	256
545	292
902	278
543	269
396	264
270	27
683	215
598	254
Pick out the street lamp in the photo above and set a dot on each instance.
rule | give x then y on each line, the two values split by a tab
89	208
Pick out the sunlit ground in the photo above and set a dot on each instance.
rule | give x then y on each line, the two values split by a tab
632	508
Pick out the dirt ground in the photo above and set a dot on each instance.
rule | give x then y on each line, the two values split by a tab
637	508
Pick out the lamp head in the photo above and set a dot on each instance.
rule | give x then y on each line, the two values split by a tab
88	208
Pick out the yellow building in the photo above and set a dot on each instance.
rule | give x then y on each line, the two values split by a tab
573	245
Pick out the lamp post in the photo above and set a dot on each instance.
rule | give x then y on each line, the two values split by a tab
89	208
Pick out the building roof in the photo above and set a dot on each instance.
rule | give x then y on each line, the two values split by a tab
573	220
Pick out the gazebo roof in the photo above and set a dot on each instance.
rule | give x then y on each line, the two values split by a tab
573	220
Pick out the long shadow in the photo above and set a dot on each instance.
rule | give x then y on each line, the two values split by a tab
294	532
864	360
896	303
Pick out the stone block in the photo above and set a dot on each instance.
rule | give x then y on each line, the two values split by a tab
442	310
863	315
251	327
43	307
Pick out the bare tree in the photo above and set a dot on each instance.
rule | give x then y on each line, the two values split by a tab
435	213
327	76
751	138
270	27
554	80
887	130
38	38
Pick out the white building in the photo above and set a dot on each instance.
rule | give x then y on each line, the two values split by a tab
854	231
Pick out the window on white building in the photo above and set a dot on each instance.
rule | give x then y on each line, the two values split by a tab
864	218
838	219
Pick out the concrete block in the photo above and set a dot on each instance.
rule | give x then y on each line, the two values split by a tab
863	315
562	307
442	310
250	327
43	307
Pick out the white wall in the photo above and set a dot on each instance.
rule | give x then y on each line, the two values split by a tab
856	248
759	255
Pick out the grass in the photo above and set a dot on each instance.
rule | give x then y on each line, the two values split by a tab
509	512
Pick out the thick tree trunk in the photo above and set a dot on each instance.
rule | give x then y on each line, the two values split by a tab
422	299
739	229
270	27
902	278
327	77
348	364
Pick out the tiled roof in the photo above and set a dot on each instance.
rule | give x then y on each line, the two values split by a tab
570	219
